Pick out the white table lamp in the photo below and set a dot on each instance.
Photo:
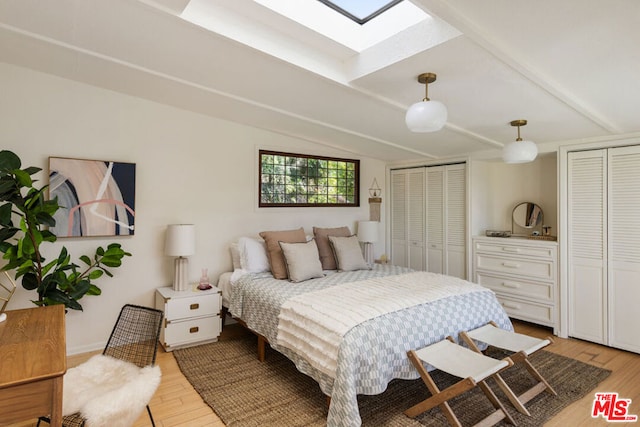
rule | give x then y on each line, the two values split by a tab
368	234
180	242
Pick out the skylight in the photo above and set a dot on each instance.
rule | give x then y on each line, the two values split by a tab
360	11
335	25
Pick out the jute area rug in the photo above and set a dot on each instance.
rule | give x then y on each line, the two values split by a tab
245	392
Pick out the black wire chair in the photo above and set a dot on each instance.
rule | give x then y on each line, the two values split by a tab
134	339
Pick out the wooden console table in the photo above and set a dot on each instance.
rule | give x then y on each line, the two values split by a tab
33	355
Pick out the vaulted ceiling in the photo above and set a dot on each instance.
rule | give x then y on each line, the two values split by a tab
571	68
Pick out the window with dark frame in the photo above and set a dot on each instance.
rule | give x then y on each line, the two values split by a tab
301	180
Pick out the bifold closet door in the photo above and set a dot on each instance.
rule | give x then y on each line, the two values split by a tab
446	220
604	246
587	245
624	247
408	218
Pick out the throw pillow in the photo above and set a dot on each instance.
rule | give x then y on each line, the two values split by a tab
302	261
327	258
274	252
348	253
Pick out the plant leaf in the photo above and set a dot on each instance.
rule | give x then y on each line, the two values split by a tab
9	161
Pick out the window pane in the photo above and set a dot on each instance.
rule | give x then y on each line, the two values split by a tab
301	180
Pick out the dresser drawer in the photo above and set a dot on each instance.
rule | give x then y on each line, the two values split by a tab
529	289
507	249
192	330
512	265
196	306
530	311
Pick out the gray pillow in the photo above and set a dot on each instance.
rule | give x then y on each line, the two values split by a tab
302	260
348	253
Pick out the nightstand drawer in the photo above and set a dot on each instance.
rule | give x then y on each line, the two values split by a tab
517	266
537	313
192	330
530	289
201	305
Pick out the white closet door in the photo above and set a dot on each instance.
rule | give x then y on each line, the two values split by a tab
408	218
624	247
416	219
435	219
587	219
399	240
455	230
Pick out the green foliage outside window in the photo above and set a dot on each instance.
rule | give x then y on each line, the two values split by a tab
288	179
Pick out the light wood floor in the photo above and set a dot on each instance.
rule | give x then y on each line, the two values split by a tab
176	403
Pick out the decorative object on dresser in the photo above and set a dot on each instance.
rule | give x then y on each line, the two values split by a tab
523	273
191	316
180	242
367	235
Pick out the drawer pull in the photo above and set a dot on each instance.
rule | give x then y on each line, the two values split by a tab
193	330
512	285
194	306
512	305
512	250
511	264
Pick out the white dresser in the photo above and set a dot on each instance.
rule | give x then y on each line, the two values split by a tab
523	273
190	317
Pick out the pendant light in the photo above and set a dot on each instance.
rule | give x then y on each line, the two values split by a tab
426	115
519	151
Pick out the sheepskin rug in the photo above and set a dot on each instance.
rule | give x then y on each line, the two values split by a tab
109	392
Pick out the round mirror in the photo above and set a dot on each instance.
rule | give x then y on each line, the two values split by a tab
527	215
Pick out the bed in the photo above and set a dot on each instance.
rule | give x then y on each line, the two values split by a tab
374	352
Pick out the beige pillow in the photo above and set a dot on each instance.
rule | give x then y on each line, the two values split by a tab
327	258
348	253
302	260
274	252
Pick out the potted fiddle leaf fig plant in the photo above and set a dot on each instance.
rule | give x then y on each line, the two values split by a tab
25	215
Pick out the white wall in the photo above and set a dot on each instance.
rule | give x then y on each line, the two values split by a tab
497	187
190	169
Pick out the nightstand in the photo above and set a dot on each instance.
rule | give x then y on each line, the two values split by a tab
191	317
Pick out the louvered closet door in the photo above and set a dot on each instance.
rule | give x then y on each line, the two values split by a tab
416	219
435	219
455	230
587	245
408	218
624	247
399	218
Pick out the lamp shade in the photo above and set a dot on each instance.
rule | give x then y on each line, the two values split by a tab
426	116
180	240
520	152
368	231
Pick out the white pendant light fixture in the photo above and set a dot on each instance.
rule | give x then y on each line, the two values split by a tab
426	115
519	151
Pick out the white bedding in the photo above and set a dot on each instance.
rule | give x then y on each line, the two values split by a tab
313	324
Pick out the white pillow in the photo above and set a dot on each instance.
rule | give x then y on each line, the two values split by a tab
348	253
253	255
235	256
302	260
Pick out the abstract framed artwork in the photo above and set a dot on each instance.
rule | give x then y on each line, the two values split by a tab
96	198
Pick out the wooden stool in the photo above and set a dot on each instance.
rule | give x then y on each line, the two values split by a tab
522	346
456	360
